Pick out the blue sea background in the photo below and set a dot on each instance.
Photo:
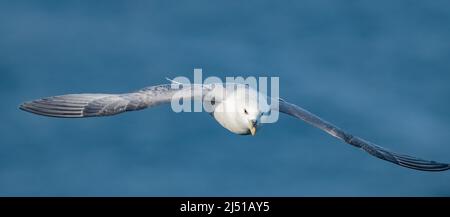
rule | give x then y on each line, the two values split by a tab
379	69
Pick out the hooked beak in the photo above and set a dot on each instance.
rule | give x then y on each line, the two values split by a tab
252	127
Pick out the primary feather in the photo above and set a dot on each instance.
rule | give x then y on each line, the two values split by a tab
93	105
377	151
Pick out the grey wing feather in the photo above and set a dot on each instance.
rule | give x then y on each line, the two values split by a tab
377	151
91	105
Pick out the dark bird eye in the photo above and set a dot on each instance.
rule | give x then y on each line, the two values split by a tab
245	111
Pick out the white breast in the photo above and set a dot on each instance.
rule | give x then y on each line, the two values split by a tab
226	115
229	108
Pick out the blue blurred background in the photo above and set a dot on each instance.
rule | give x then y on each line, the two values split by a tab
380	69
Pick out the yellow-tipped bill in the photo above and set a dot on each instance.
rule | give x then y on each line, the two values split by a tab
252	127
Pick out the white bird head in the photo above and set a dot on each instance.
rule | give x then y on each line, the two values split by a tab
241	110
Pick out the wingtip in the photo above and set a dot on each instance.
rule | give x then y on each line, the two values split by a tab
23	106
65	106
27	107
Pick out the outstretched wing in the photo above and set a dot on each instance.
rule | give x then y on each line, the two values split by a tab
92	105
377	151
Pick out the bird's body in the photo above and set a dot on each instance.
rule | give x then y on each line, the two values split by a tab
238	108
